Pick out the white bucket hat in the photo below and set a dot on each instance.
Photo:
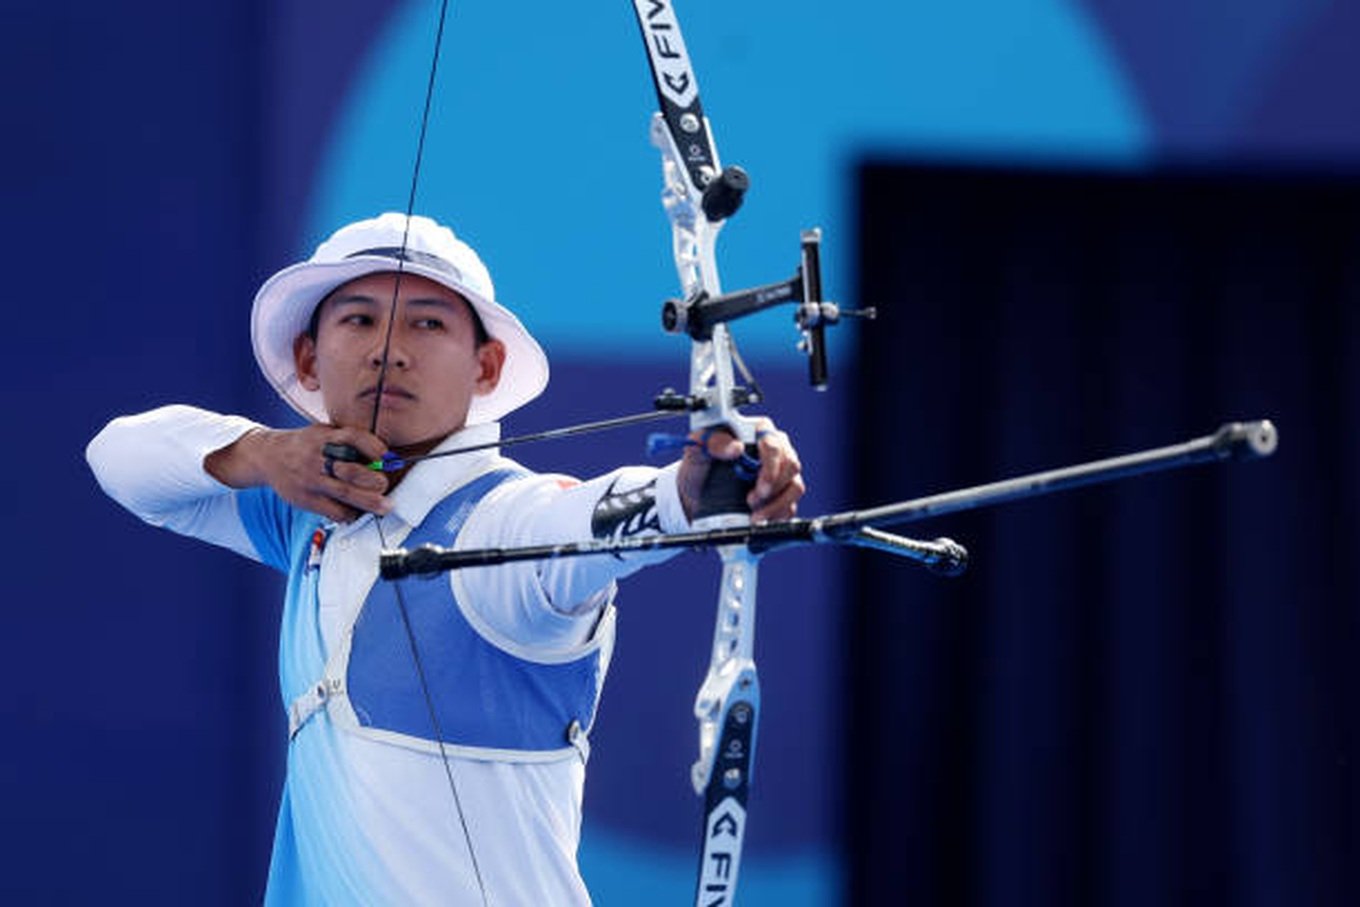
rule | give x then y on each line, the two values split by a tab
283	307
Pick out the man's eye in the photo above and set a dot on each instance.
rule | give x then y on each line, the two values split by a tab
430	324
357	318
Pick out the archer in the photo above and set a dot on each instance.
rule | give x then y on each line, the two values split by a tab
462	703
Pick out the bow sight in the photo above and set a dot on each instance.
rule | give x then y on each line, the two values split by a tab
698	315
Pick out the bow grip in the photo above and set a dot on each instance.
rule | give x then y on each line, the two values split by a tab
727	484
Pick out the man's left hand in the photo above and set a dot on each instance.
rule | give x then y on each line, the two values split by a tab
779	484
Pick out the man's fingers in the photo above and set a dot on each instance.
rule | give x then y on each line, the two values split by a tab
779	485
779	465
368	444
329	508
358	498
712	444
346	489
775	445
783	506
775	475
722	445
356	474
363	447
335	500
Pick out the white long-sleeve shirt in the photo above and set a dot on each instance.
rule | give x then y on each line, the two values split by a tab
369	822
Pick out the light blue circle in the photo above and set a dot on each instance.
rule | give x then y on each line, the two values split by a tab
538	151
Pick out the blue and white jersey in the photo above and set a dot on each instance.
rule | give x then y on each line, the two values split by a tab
367	816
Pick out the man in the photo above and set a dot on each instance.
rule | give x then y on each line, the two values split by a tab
378	808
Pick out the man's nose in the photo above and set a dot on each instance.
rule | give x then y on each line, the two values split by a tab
389	345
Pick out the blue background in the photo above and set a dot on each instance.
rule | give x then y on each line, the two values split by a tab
162	160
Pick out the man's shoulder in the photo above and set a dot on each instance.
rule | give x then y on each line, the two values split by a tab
506	477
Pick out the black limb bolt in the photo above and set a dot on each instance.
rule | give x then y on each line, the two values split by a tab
345	453
725	488
723	196
673	316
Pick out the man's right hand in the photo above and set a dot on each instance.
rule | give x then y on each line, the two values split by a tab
291	463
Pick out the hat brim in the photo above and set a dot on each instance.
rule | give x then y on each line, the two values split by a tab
283	309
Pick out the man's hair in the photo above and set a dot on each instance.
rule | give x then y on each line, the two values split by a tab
479	334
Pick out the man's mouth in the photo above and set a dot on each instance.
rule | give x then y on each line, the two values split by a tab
389	392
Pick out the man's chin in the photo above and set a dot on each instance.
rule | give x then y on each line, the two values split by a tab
397	433
411	441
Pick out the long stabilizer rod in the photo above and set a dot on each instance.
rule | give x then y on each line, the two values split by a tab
863	528
1234	441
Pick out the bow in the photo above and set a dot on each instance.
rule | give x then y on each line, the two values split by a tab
699	195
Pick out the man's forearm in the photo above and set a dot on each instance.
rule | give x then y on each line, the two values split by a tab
153	463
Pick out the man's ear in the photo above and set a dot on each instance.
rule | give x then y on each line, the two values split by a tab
491	359
304	360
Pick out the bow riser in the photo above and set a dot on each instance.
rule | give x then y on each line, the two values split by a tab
694	240
731	675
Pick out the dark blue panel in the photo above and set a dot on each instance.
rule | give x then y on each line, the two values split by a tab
129	165
1143	693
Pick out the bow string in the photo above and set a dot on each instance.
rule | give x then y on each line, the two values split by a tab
412	644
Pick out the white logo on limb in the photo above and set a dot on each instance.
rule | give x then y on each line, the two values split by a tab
722	854
666	47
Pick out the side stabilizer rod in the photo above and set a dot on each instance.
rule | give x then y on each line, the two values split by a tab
943	556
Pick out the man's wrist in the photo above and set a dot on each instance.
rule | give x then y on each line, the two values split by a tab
239	464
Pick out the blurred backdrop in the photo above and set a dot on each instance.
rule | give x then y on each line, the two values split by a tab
1089	227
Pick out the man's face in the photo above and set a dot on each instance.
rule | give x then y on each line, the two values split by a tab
434	366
